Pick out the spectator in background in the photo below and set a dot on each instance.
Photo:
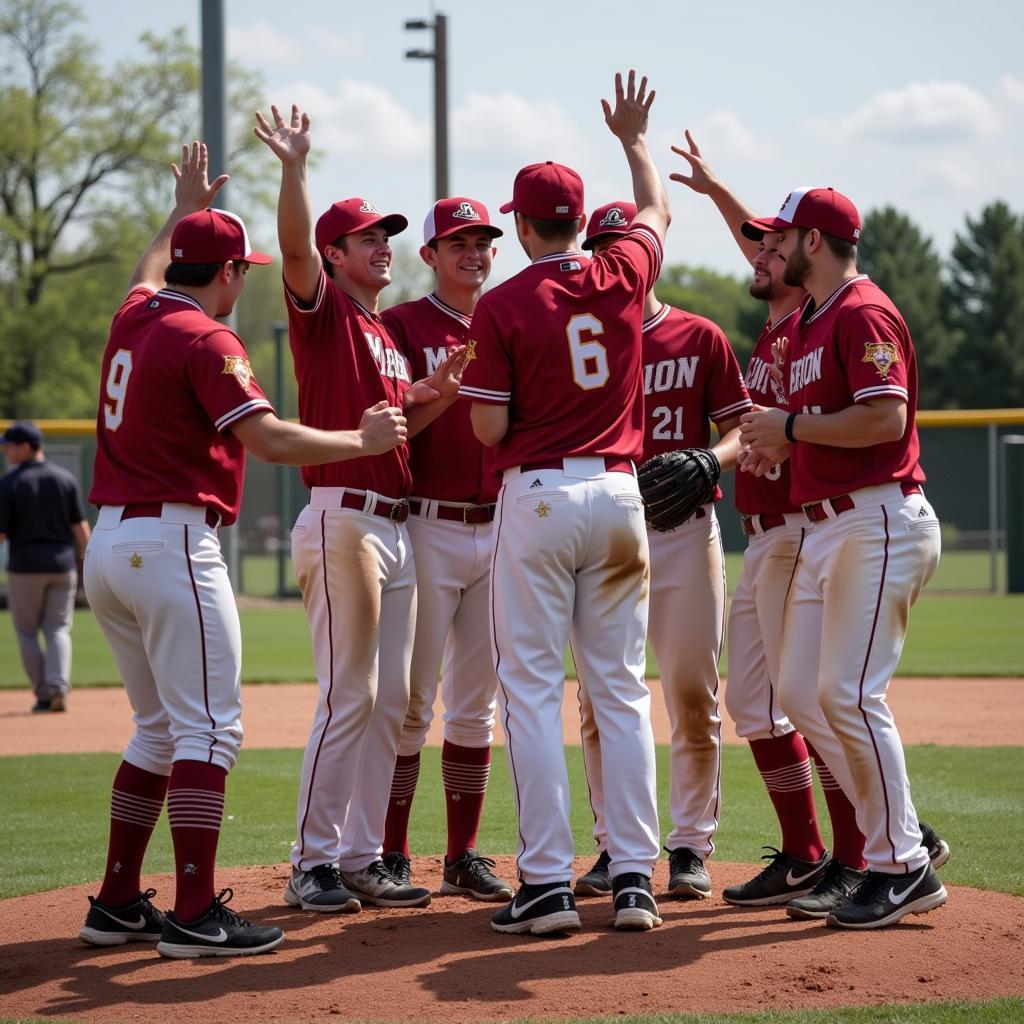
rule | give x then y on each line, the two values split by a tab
43	520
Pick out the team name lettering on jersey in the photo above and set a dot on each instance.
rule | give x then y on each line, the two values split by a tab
389	363
670	373
434	357
805	370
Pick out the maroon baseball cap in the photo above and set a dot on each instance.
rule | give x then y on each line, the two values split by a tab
547	191
212	236
610	219
823	208
450	216
352	215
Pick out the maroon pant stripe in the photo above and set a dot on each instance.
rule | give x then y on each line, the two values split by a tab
202	645
330	686
864	672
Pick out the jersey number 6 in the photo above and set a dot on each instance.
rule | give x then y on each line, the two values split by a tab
116	388
589	357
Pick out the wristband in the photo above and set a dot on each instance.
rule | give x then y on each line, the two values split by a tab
789	427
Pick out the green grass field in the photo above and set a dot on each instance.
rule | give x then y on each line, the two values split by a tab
53	804
948	636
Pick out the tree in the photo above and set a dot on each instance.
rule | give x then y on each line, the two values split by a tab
719	297
85	149
986	290
901	261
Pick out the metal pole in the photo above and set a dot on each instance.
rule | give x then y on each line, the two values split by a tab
215	137
441	106
993	507
281	472
1013	491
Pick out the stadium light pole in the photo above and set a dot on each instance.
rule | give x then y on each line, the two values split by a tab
439	55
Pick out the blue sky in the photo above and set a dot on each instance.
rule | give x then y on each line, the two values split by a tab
916	105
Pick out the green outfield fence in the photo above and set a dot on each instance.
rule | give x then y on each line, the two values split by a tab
961	453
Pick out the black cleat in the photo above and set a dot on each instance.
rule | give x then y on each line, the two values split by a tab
835	887
882	899
937	847
598	880
219	932
782	880
471	875
687	875
138	921
399	865
635	909
320	889
539	909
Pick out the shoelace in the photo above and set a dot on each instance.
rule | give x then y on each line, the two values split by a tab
379	870
479	867
220	912
873	888
326	876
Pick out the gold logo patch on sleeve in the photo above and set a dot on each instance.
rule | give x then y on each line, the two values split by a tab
883	354
239	366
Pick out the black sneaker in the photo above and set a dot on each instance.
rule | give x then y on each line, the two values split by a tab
471	875
937	847
219	932
687	875
882	899
399	865
835	887
635	909
539	909
598	880
320	889
783	879
138	921
42	706
375	884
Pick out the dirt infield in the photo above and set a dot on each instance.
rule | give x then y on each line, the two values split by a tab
960	712
444	962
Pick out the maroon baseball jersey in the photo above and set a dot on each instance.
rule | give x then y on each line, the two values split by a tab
448	463
691	377
853	348
756	495
346	361
173	383
560	344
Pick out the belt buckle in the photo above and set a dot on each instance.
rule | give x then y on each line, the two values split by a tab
467	511
399	511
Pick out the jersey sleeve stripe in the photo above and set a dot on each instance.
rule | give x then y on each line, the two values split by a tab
721	414
655	242
241	411
893	390
321	291
484	394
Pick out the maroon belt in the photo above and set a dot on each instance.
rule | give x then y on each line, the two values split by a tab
767	521
612	464
815	510
396	511
470	515
153	510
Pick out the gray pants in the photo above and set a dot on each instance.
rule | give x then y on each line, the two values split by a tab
44	601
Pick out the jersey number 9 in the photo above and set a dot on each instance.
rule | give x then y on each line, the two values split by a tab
117	388
589	357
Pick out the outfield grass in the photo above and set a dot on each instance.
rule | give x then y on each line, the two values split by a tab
55	813
948	636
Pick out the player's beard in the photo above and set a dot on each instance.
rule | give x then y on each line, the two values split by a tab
798	267
764	292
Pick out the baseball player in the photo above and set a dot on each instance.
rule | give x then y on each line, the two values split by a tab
350	546
871	544
179	405
799	875
451	535
557	388
691	377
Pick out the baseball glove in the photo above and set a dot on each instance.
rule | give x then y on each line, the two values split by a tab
675	484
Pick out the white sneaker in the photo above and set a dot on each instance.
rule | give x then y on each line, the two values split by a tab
375	884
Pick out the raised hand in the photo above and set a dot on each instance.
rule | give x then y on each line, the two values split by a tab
382	428
290	142
191	189
628	121
702	178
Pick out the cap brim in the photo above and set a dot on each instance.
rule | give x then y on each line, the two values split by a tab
468	226
260	258
508	207
756	229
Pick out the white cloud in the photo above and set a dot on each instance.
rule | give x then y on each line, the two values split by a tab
363	119
922	112
722	134
508	126
1010	91
261	44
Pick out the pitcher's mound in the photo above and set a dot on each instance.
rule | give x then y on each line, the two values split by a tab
445	963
